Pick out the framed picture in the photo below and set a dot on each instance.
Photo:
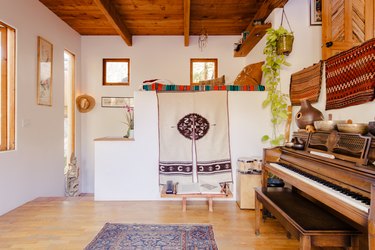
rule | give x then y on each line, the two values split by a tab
315	12
117	102
44	84
116	71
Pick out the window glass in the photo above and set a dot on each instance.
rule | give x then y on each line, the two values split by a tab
116	71
7	87
202	69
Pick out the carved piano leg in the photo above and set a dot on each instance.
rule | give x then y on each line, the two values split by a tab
354	243
304	242
264	178
371	220
288	235
257	216
264	185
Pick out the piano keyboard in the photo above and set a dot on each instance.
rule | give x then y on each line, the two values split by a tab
354	199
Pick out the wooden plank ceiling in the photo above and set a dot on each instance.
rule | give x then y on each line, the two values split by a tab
157	17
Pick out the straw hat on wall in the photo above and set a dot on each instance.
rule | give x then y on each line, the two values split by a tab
85	103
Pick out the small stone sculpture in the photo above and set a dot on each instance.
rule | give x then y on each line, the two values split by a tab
72	177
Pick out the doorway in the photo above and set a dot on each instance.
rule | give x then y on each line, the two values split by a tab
69	106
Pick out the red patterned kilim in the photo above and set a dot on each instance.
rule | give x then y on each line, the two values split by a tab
350	76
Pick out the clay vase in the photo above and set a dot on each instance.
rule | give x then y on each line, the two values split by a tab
307	115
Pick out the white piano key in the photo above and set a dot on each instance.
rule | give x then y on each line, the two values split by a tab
347	199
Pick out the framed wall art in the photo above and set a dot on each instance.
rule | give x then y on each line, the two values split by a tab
315	12
44	79
117	102
116	71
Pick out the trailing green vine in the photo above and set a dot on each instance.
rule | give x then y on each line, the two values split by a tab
275	98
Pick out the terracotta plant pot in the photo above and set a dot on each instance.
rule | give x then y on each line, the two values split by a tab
307	115
285	44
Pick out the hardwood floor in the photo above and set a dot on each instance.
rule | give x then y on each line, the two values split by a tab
71	223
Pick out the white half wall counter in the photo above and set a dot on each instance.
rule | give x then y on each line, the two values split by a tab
128	169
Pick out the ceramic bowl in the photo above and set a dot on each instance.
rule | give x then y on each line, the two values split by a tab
298	146
327	125
355	128
371	128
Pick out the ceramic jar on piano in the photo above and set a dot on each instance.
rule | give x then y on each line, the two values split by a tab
307	114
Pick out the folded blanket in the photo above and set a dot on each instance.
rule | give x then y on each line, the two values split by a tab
194	137
175	151
162	87
212	150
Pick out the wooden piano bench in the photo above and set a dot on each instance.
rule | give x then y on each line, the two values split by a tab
305	220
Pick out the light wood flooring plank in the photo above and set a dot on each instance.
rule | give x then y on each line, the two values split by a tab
71	223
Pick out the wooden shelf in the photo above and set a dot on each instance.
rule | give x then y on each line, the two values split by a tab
256	33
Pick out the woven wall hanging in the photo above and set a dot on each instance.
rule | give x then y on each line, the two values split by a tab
306	84
350	76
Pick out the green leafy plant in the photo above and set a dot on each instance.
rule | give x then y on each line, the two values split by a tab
275	98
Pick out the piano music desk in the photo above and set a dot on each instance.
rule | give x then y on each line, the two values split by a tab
184	197
305	220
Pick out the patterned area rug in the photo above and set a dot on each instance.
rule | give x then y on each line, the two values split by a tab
151	236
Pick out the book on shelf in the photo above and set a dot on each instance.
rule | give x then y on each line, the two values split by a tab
199	188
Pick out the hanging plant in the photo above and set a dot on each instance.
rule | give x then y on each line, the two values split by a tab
271	69
285	39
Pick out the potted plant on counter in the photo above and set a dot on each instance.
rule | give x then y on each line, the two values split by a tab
129	121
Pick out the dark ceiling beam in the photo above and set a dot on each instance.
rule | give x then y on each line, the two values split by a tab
186	22
265	10
115	20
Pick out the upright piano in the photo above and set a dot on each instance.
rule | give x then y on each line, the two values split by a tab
335	170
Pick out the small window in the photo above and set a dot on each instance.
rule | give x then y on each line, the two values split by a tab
202	69
7	87
116	71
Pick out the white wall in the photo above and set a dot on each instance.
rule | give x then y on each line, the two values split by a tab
150	57
122	166
36	167
167	58
307	51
